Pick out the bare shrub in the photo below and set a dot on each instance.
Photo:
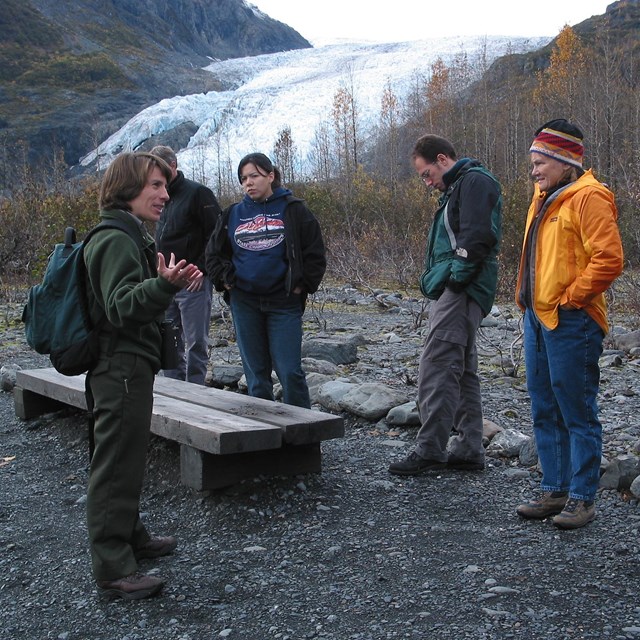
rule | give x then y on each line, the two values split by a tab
33	220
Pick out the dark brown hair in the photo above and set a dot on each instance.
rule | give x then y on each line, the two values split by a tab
126	177
430	147
261	162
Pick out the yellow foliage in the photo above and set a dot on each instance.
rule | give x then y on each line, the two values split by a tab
560	84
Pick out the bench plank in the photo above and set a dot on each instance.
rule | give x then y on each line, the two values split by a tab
212	430
51	384
299	425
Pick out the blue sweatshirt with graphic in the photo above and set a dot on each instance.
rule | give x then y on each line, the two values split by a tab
256	232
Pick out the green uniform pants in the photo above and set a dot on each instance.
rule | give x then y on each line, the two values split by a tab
122	389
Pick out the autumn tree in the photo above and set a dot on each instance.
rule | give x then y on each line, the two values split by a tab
345	124
438	92
320	158
608	96
284	153
561	85
389	136
223	181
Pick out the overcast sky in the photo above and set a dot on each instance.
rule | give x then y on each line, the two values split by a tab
326	21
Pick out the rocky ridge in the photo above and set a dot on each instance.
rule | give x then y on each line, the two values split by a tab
71	73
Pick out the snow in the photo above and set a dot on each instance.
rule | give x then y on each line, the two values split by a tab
292	89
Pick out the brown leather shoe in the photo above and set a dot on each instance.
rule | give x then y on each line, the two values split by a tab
134	587
546	505
156	548
575	514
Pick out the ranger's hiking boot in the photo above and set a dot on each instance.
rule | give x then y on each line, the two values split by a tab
156	548
576	514
134	587
547	505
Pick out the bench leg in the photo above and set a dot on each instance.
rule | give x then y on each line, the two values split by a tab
29	404
200	470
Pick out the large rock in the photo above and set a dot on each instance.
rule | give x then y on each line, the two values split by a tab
621	472
312	365
225	375
8	377
331	350
490	430
627	341
371	400
405	414
315	382
528	454
507	443
330	394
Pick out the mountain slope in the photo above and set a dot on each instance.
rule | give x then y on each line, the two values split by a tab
71	72
618	30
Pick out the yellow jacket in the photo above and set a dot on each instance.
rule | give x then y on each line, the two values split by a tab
577	249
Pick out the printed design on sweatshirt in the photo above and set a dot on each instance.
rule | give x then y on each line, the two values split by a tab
259	233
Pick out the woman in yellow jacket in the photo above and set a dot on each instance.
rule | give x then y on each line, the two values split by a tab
571	254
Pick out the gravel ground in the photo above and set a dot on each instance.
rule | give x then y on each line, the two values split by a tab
352	553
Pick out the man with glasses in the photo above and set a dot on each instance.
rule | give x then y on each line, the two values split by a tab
460	276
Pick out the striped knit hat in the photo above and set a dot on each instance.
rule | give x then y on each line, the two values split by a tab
561	140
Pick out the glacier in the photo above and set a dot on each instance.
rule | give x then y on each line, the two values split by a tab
292	89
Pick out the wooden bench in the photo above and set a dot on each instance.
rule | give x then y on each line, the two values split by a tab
224	436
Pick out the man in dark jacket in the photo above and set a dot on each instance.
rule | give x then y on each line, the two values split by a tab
184	229
461	277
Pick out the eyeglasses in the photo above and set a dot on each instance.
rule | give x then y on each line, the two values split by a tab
425	175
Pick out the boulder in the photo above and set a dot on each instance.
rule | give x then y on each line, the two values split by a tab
621	472
330	350
331	393
372	400
507	443
405	414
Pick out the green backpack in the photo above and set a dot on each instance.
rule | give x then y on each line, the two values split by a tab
56	316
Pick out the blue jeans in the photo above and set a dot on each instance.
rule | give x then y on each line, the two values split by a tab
269	335
190	311
563	378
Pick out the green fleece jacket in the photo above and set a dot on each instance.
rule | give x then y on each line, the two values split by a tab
124	283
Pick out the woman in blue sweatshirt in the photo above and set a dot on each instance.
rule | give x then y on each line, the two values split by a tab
267	254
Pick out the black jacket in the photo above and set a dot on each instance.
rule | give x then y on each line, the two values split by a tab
187	221
304	245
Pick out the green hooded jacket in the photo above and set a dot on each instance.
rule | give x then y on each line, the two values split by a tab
123	283
465	236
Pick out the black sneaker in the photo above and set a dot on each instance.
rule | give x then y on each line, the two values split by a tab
413	465
464	465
